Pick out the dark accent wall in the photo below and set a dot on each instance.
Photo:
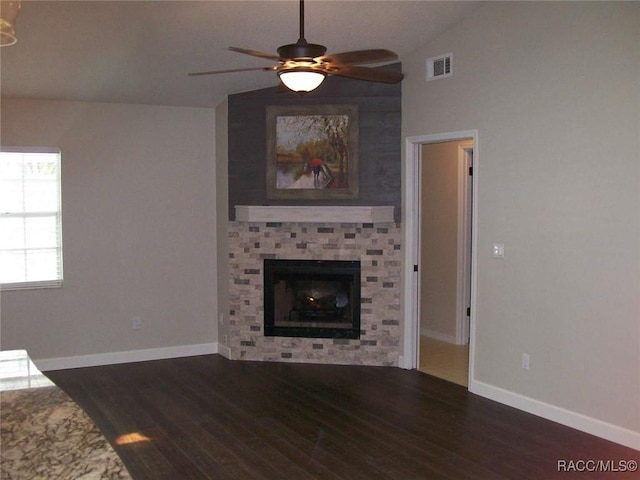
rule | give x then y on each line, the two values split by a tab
380	149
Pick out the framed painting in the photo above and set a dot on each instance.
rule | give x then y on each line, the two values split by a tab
312	152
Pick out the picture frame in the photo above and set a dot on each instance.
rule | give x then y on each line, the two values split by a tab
312	152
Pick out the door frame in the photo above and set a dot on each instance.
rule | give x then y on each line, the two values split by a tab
465	203
411	236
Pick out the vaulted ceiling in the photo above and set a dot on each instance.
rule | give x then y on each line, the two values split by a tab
141	51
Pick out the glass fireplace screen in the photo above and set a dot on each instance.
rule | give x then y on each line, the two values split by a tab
312	298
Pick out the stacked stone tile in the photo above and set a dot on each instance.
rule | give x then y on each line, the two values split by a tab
378	249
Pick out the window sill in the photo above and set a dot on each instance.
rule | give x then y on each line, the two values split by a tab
6	287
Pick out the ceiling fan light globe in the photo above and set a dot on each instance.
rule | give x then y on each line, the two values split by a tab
302	80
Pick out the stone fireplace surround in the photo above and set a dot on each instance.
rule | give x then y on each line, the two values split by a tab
365	234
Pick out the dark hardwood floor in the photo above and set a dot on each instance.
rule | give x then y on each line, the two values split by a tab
210	418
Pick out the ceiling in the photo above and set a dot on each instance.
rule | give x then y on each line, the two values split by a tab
141	51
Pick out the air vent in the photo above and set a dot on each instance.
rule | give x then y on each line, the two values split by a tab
439	67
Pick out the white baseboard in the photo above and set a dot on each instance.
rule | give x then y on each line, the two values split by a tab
601	429
224	351
112	358
443	337
403	363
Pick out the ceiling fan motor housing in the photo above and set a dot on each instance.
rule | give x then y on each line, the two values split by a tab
301	50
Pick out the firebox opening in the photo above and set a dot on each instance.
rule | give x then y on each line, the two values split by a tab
312	298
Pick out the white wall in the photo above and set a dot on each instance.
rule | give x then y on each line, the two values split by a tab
138	188
554	91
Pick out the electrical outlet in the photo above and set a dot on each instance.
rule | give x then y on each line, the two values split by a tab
526	361
136	323
224	339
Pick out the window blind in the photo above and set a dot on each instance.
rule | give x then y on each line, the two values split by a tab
30	218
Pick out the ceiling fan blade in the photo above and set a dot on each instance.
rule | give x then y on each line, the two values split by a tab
365	73
215	72
255	53
359	56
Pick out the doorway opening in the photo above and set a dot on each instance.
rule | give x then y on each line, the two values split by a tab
444	265
439	263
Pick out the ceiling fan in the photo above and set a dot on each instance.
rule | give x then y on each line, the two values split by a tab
303	66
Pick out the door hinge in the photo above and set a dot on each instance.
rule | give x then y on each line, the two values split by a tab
415	268
468	311
470	170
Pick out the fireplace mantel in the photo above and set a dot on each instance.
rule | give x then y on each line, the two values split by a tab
307	214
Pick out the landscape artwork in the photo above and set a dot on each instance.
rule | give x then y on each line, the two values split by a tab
312	152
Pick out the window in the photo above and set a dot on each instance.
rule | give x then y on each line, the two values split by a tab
30	219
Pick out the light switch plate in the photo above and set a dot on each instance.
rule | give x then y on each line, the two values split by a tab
498	250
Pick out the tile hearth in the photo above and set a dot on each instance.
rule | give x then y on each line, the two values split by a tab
377	246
